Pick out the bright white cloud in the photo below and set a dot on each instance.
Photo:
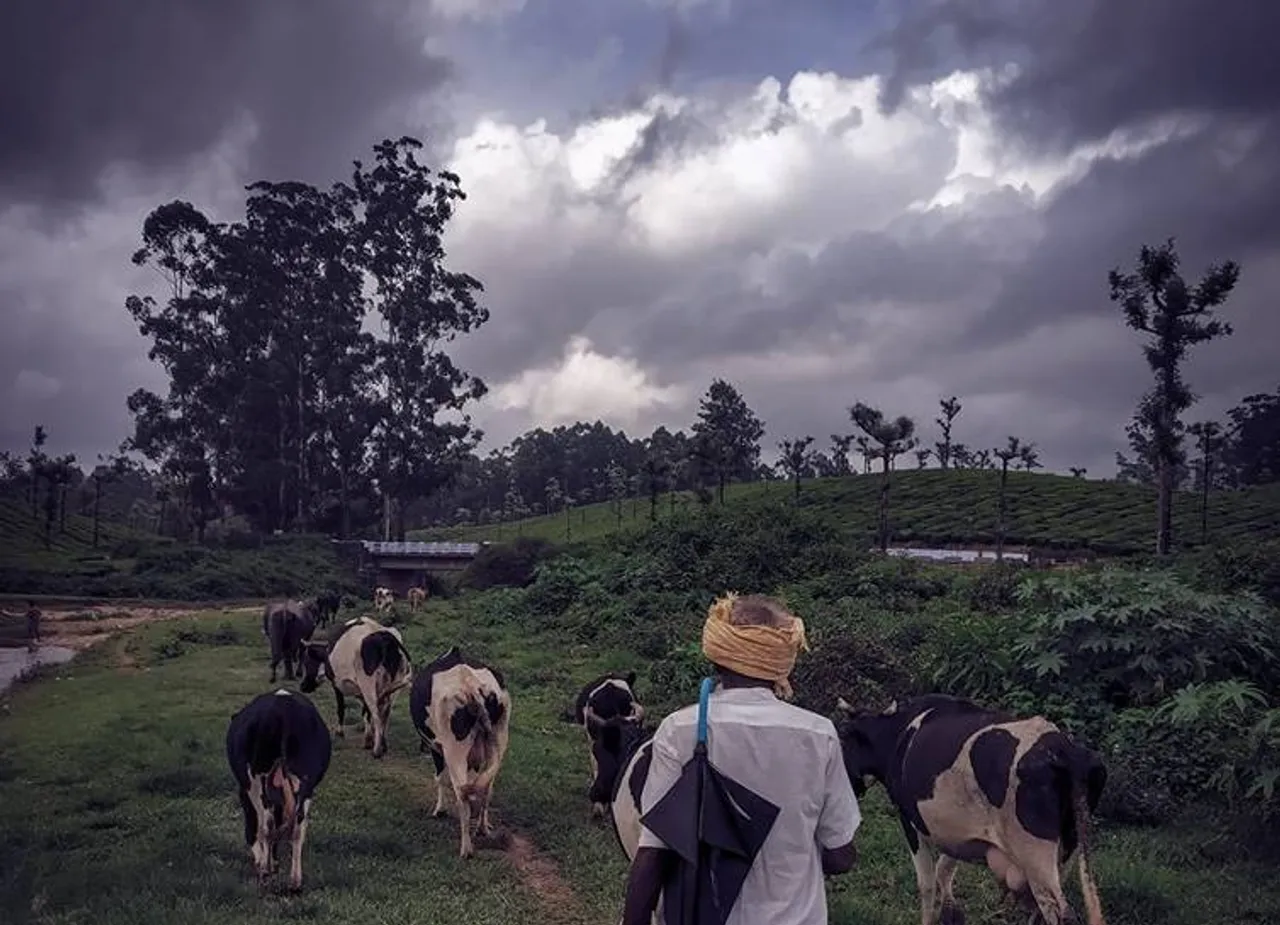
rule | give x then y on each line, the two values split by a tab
583	386
731	206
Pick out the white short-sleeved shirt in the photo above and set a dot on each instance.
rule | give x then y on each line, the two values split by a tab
792	758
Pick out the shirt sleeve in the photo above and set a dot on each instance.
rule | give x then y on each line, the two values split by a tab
840	816
664	770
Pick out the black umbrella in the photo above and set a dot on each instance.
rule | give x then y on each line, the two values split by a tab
716	826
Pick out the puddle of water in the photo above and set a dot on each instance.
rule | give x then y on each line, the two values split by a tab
954	555
14	662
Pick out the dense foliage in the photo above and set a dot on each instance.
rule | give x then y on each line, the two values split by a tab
1172	675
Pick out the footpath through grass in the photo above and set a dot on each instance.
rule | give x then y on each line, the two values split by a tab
116	806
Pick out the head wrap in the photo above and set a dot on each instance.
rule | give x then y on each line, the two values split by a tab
764	652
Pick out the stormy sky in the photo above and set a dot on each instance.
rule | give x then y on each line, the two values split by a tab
823	202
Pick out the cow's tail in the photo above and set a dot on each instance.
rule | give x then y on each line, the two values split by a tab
1080	768
282	772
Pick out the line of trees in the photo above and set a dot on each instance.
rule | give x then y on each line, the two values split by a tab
311	389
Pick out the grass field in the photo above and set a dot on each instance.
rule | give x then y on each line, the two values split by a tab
116	806
956	507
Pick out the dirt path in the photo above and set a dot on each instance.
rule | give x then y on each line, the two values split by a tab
87	626
538	873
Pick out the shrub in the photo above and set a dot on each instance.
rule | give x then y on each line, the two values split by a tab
1131	638
506	565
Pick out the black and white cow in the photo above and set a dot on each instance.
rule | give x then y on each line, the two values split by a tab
363	659
603	700
978	785
278	749
324	606
287	626
462	711
623	752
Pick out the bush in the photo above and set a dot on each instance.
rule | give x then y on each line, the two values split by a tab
506	565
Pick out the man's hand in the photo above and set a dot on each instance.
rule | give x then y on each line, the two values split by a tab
839	860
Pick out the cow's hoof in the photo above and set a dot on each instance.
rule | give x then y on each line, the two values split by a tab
951	915
295	886
379	752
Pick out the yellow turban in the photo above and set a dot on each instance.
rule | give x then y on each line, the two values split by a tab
764	652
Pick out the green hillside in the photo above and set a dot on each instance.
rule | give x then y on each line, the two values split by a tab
22	539
952	508
132	564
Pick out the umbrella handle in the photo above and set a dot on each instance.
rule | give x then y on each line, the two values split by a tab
704	696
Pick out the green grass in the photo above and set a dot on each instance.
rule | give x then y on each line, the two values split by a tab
116	805
953	508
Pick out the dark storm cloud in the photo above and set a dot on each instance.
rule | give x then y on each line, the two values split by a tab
1092	66
151	82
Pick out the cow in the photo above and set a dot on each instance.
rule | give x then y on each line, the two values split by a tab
364	659
417	596
287	626
622	753
324	606
279	750
383	598
462	711
982	786
602	700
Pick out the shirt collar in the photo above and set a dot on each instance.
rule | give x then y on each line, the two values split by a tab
744	694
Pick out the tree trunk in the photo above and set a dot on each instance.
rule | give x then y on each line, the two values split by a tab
344	503
62	508
653	504
97	502
883	516
1204	499
386	515
568	521
796	479
1164	507
720	480
1001	524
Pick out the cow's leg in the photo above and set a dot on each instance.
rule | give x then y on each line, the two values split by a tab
458	778
288	666
1045	884
944	874
366	724
384	720
341	703
375	733
924	863
437	759
274	662
250	819
299	836
260	849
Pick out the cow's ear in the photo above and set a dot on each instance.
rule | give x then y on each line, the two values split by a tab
631	679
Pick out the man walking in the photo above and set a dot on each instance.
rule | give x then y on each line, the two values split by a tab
33	625
787	755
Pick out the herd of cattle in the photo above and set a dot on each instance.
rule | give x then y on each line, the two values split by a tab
968	783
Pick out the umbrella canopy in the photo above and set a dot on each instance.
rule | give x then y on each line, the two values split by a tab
716	827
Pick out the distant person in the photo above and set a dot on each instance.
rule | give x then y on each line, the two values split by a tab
788	755
33	625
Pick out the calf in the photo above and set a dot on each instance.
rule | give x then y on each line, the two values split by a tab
977	785
287	625
363	659
383	598
417	596
462	711
278	749
324	607
601	701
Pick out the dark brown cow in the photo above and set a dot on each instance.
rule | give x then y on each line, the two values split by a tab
287	626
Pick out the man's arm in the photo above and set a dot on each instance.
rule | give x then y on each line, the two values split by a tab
653	861
839	818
